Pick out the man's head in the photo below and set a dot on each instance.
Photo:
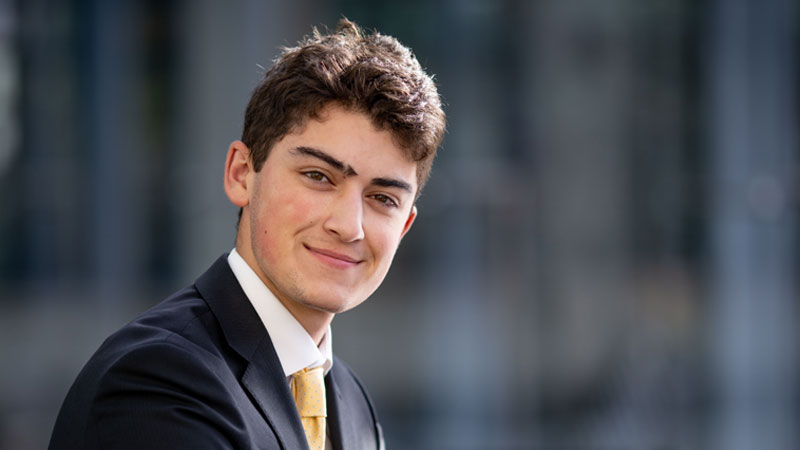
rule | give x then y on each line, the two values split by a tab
368	73
338	141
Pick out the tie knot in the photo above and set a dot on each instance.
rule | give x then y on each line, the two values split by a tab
309	392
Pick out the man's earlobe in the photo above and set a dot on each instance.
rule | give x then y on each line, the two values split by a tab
410	220
238	168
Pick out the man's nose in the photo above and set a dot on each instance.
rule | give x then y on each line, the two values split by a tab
345	217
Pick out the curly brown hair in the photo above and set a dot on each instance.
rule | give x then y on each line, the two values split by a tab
369	73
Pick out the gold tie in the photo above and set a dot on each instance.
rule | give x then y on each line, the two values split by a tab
308	390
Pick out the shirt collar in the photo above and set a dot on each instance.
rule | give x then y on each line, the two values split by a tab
294	346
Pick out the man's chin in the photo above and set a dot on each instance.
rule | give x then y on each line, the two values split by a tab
332	305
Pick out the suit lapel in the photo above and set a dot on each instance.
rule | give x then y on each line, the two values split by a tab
343	435
264	378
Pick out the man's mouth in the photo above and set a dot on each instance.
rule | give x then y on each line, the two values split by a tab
334	258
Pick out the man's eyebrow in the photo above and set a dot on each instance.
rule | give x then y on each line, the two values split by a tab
347	170
391	182
319	154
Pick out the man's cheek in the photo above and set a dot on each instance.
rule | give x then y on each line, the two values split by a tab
300	211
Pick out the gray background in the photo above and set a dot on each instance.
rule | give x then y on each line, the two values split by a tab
605	256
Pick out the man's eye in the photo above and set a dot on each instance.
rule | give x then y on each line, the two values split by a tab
316	176
385	200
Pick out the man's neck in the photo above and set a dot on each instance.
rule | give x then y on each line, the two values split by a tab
314	321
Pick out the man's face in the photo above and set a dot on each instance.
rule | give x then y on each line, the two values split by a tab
325	214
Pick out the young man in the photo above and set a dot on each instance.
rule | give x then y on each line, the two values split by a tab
338	141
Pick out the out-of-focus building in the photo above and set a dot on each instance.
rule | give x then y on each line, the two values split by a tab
605	254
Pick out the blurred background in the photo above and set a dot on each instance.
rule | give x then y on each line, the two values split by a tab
605	257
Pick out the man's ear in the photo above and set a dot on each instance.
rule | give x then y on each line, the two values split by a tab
238	168
410	221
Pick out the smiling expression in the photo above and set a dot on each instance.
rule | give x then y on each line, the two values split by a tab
323	217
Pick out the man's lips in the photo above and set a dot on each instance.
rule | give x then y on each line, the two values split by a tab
333	257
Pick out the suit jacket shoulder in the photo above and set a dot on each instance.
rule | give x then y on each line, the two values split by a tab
199	371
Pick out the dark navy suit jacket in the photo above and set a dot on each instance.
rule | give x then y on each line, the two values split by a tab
198	371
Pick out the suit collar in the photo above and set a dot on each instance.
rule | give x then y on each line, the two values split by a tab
245	333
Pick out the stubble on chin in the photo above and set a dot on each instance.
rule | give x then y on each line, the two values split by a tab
293	292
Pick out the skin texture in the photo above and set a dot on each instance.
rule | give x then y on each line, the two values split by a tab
322	219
